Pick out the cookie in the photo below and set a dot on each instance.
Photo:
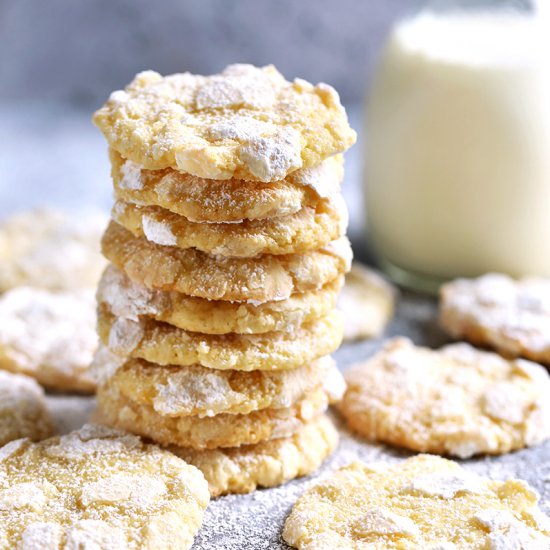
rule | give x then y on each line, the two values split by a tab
50	336
23	409
246	123
422	502
49	249
218	201
97	488
267	464
367	302
200	391
124	298
510	316
164	344
256	280
221	430
457	400
306	230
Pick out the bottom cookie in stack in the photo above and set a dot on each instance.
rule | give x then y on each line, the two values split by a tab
242	429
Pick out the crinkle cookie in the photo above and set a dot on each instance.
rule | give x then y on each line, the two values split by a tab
49	249
308	229
423	502
367	302
164	344
200	391
510	316
124	298
97	488
256	280
221	430
267	464
50	336
23	409
457	400
215	201
246	122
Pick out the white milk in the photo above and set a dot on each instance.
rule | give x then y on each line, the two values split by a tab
458	147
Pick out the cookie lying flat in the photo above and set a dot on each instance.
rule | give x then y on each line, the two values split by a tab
97	488
308	229
423	502
511	316
205	200
367	302
247	123
124	298
202	275
49	335
457	400
23	409
164	344
243	469
200	391
222	430
49	249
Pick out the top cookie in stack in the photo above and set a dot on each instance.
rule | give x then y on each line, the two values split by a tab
228	249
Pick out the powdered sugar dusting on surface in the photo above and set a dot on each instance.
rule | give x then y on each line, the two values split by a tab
446	484
158	232
39	327
131	176
125	335
341	248
324	178
382	522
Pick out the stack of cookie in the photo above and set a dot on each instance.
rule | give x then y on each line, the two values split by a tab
227	250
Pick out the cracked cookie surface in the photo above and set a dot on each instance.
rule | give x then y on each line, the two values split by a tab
97	488
457	400
423	502
246	122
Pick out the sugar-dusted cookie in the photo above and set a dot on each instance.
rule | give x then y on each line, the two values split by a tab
267	464
457	400
308	229
49	335
423	502
200	391
246	122
511	316
164	344
209	432
256	280
97	488
367	302
23	409
124	298
205	200
49	249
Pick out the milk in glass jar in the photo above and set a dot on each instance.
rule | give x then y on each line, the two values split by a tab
457	172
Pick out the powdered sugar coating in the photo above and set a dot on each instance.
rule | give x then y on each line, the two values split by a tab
23	409
207	432
457	400
264	278
124	298
243	469
228	201
50	249
49	335
511	316
246	122
361	507
164	344
98	488
308	229
200	391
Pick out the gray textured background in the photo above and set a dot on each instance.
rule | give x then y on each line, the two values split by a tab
78	51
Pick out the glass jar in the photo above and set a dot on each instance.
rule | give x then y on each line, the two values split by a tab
457	172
